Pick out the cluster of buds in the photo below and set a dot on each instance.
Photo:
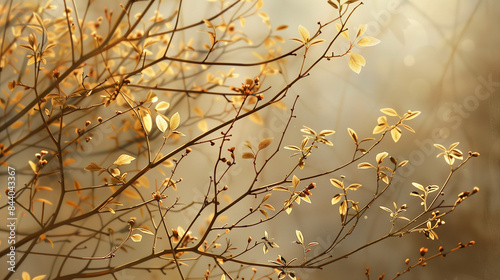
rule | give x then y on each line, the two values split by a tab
463	195
250	87
227	161
39	156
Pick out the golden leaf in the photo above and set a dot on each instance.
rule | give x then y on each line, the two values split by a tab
147	121
368	41
337	183
161	123
265	143
354	187
381	156
68	161
345	33
32	165
203	125
247	156
396	134
43	200
389	111
281	27
197	110
136	237
175	121
78	187
256	118
131	194
353	135
365	165
343	208
300	237
336	198
356	61
123	160
295	181
264	212
93	167
269	206
361	30
162	106
17	125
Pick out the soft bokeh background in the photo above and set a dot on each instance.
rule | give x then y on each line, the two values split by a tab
438	57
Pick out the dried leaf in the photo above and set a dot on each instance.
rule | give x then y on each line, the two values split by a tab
123	160
256	118
343	208
17	125
132	194
356	61
381	156
32	165
265	143
43	200
147	121
203	125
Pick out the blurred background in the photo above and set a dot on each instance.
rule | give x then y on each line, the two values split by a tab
437	57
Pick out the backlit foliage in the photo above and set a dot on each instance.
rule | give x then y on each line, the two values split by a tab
103	109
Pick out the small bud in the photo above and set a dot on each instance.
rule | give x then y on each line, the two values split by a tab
407	261
441	249
44	152
99	119
87	123
472	242
475	154
188	150
225	188
475	190
249	239
423	250
311	186
37	155
223	159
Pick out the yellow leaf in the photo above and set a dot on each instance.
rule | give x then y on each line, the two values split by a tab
304	34
68	161
203	125
356	61
269	206
361	30
389	111
77	186
136	237
175	121
256	118
247	156
93	167
43	200
17	125
265	143
345	34
300	237
353	135
131	194
295	181
368	41
396	134
147	121
124	159
281	27
32	165
161	123
162	106
337	183
336	198
197	110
